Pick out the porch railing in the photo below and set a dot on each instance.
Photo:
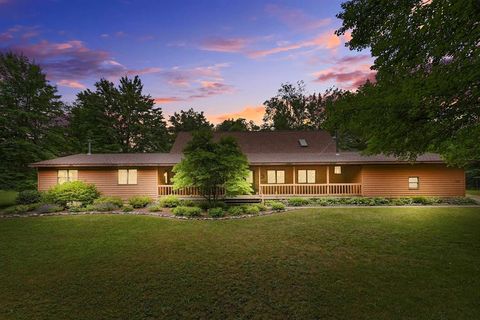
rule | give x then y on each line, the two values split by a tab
338	189
335	189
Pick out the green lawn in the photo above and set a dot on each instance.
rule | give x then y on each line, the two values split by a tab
332	263
7	198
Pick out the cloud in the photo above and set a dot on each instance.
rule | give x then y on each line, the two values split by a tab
71	84
186	77
163	100
224	44
148	70
20	32
209	88
295	18
254	113
348	72
327	40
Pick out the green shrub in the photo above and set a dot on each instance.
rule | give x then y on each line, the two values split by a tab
261	207
78	209
66	192
401	201
187	203
139	201
102	207
425	200
117	201
21	208
49	208
187	211
298	202
458	201
28	197
235	210
277	206
216	212
155	208
169	202
251	209
127	208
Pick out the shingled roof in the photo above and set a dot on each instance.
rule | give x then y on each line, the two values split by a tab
270	141
262	147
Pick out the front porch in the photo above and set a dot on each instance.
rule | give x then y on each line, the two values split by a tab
284	181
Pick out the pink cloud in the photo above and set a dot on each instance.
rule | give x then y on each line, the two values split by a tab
148	70
327	40
71	84
164	100
254	113
224	44
295	18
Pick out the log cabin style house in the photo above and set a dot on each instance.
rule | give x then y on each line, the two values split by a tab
282	164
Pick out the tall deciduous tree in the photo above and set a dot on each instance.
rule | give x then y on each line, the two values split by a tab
293	109
31	121
209	165
426	97
239	124
189	120
119	119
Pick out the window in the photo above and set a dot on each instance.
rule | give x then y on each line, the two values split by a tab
306	176
165	177
275	176
250	177
127	176
337	170
66	175
413	183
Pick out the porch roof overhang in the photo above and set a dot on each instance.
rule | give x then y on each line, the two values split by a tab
170	159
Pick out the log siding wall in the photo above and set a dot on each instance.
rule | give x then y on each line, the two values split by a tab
392	180
106	180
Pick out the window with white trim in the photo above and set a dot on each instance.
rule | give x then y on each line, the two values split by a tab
127	176
306	176
337	170
275	176
250	177
66	175
413	183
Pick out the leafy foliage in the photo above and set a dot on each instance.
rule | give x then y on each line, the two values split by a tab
239	124
216	212
119	119
170	201
117	201
187	211
139	201
72	191
209	166
426	97
189	120
31	121
28	197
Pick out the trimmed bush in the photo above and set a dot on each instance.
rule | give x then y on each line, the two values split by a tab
458	201
155	208
251	209
187	211
298	202
235	210
28	197
102	207
127	208
216	212
21	208
64	193
139	201
425	200
277	206
169	202
49	208
117	201
261	207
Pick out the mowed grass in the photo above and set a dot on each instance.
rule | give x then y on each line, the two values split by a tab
332	263
7	198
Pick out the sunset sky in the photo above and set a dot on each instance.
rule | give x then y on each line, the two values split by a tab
221	57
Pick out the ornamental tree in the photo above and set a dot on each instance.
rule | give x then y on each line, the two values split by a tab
212	166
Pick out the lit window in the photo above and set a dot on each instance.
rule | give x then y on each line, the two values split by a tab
337	170
275	176
127	176
306	176
250	177
413	183
165	177
66	175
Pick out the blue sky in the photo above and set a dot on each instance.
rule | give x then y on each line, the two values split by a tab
221	57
